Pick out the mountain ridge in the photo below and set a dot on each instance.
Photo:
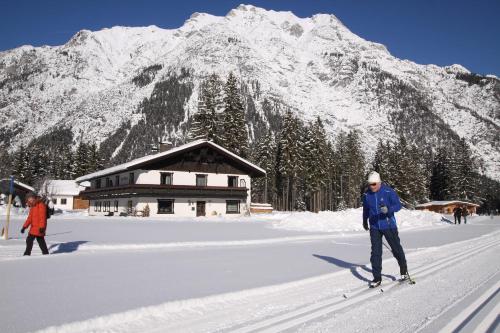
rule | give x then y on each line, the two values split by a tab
314	66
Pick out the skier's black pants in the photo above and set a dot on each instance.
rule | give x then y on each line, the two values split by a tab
41	243
397	250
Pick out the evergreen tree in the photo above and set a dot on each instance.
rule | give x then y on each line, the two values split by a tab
288	160
235	133
316	163
80	163
440	181
355	170
205	122
6	162
264	156
94	160
20	167
67	164
464	176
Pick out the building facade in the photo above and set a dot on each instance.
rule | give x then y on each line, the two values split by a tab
447	207
64	194
197	179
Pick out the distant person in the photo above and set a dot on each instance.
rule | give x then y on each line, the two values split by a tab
380	202
18	202
465	213
457	213
37	221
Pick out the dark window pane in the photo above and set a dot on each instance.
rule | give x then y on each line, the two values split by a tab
232	206
201	180
166	179
232	181
165	206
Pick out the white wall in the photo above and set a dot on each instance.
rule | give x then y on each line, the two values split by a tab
58	205
183	207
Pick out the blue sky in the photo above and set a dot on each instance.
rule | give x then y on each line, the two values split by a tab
442	32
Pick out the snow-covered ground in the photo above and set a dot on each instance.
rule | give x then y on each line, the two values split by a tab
267	273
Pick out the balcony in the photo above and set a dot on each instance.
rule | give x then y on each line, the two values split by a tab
165	191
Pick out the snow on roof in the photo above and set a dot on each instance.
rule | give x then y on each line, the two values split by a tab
24	185
18	183
444	203
138	161
61	187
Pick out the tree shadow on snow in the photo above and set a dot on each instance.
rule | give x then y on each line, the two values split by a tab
352	267
66	247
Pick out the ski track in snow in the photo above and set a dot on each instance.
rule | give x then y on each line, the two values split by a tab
318	304
13	252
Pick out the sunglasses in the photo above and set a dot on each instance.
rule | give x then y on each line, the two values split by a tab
373	184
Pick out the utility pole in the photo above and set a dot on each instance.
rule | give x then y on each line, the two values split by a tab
9	204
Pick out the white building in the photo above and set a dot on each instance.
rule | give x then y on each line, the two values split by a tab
64	194
200	178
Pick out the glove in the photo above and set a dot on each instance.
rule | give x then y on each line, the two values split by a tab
42	230
22	230
384	209
365	225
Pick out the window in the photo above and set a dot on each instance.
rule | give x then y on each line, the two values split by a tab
116	205
130	205
117	180
166	178
232	206
131	178
54	201
232	181
95	206
64	201
243	183
165	206
201	180
98	183
109	182
99	206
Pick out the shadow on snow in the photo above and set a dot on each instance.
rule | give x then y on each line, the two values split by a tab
66	247
352	267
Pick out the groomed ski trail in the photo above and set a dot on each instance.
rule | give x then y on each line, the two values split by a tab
290	305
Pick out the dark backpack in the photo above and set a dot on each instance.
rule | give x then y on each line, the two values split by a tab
49	211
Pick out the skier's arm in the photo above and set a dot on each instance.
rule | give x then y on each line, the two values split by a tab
366	209
29	219
394	202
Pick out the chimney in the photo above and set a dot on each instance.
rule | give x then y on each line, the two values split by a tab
164	146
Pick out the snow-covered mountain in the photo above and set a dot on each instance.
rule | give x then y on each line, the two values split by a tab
113	85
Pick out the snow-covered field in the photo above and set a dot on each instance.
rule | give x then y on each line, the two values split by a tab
266	273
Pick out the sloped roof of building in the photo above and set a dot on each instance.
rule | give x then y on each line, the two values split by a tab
445	203
61	187
156	157
5	183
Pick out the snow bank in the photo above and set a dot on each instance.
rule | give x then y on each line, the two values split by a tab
349	220
14	211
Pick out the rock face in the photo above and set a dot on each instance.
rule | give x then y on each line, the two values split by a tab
122	87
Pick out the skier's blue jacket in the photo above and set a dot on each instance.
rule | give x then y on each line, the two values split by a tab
373	201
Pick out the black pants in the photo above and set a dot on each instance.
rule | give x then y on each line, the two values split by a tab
397	250
41	243
458	218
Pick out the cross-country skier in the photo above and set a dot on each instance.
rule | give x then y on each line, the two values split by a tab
380	202
37	221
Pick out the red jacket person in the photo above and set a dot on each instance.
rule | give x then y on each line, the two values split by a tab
37	221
